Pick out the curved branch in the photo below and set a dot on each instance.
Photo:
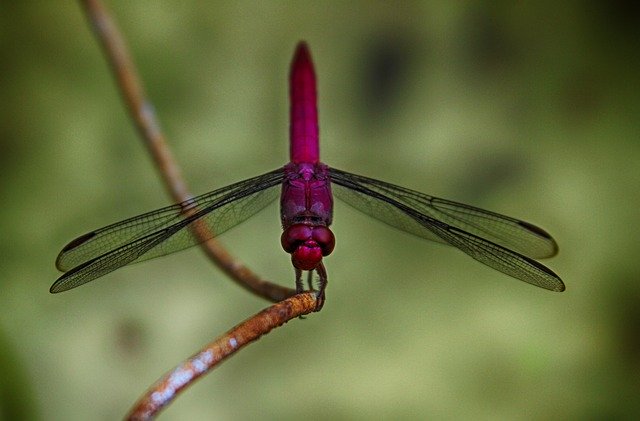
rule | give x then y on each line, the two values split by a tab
143	114
165	390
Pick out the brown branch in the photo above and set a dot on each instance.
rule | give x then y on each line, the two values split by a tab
169	386
174	382
143	114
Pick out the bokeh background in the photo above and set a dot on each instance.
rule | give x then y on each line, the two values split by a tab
527	109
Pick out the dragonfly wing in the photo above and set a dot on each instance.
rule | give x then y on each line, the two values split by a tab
163	231
502	259
508	232
503	243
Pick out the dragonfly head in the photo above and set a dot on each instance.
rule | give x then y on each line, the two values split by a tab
307	244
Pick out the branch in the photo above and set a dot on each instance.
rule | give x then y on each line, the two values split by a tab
143	114
174	382
141	110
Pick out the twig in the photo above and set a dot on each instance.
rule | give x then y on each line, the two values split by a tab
171	384
143	114
141	110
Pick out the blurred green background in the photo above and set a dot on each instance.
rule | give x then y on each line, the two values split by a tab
530	110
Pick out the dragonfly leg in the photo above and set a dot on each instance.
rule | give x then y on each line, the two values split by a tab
310	280
322	284
299	285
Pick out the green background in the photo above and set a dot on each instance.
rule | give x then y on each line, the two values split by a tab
528	110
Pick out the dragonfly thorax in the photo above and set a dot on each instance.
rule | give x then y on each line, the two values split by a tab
307	244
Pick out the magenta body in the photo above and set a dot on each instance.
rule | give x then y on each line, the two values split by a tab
306	195
303	132
306	203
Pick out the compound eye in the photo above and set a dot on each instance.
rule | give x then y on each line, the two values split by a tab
293	236
324	237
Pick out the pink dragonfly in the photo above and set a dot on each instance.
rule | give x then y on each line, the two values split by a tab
306	210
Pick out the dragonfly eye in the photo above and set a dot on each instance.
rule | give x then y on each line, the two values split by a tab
324	237
307	244
301	234
294	236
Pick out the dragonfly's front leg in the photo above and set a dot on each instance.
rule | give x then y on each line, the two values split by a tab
310	280
322	284
299	284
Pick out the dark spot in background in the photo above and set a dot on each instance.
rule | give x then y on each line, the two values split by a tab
384	69
485	44
11	150
17	398
619	20
626	323
130	338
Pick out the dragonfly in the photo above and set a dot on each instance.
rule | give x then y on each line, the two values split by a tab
305	187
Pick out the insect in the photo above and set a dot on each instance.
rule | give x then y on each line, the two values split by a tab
306	187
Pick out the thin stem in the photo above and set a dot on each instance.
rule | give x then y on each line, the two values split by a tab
165	390
143	114
289	306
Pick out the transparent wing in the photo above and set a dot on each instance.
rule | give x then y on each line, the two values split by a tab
503	243
163	231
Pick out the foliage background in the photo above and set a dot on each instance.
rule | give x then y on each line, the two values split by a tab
527	109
